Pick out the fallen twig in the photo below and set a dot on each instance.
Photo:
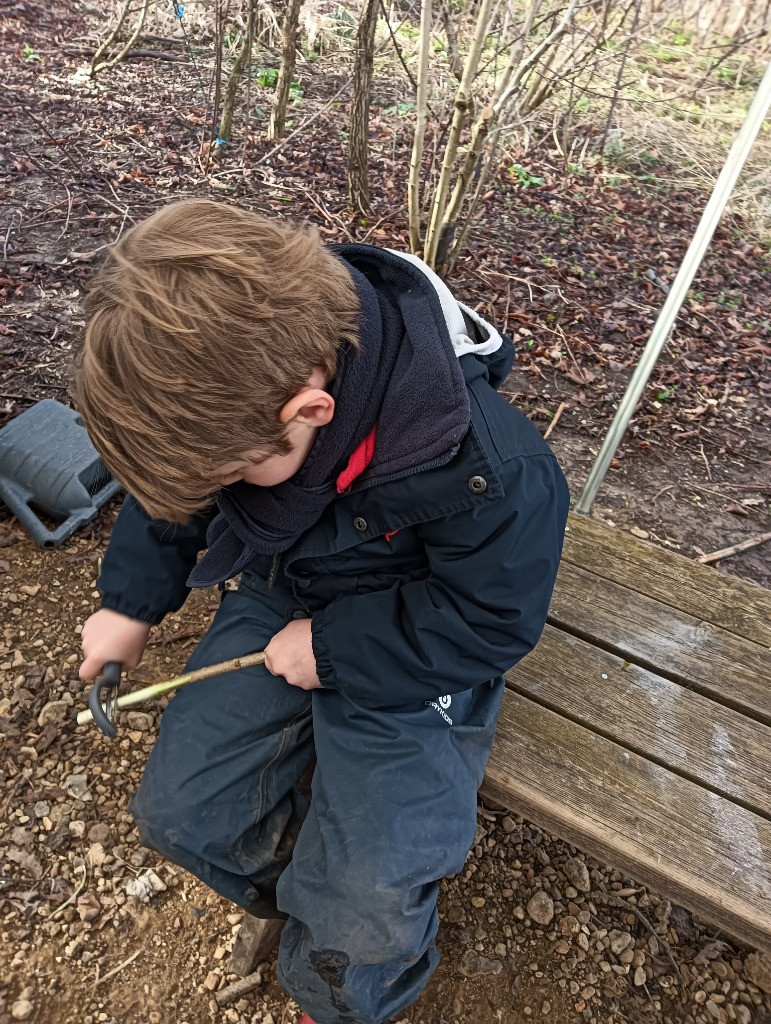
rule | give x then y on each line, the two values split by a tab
73	896
303	126
553	424
663	490
735	549
239	988
115	970
646	923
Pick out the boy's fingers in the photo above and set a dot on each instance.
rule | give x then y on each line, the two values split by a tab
86	670
91	667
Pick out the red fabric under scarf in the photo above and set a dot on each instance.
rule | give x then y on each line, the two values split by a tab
358	462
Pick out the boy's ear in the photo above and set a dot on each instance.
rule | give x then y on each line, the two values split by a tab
313	407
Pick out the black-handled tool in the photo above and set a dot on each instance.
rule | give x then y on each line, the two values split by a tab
102	709
102	697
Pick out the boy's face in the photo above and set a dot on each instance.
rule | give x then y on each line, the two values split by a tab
266	471
302	416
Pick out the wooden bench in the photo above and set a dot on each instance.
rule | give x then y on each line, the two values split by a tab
639	730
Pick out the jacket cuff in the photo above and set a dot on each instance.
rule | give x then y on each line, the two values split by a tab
116	603
324	669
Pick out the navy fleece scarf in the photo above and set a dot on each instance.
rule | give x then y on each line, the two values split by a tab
406	379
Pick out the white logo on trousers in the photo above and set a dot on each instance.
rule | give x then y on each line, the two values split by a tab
443	703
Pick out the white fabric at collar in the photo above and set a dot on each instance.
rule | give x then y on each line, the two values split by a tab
453	314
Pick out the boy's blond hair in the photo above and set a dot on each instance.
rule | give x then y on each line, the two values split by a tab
203	322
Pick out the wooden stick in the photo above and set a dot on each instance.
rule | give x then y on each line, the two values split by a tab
239	988
158	689
115	970
716	556
553	423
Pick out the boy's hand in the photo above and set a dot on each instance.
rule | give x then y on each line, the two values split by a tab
290	654
110	636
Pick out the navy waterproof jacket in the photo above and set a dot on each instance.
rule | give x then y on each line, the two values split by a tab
418	587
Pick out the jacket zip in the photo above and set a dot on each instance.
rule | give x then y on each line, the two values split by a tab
433	464
273	574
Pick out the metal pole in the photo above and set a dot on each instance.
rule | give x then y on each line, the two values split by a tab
685	275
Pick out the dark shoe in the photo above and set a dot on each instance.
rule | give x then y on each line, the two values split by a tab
256	940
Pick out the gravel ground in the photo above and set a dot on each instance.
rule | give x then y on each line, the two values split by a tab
93	928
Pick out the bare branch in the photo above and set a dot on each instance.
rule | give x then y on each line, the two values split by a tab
462	100
416	159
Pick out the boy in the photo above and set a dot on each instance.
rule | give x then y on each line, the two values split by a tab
397	527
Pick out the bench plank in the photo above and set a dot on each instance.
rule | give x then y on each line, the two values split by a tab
733	604
646	713
706	853
659	637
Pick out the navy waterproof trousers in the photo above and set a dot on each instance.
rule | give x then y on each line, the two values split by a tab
355	867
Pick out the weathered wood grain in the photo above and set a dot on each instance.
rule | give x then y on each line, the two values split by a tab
736	605
659	719
703	851
671	643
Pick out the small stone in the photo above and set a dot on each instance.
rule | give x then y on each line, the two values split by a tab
31	590
619	941
478	902
77	786
639	977
88	907
569	925
757	969
77	828
541	908
743	1014
99	833
142	721
577	874
588	992
234	918
473	964
22	1009
145	886
508	824
41	809
546	1008
637	532
53	711
212	981
562	947
96	855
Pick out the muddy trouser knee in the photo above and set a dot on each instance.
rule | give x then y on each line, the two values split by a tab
393	811
218	795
